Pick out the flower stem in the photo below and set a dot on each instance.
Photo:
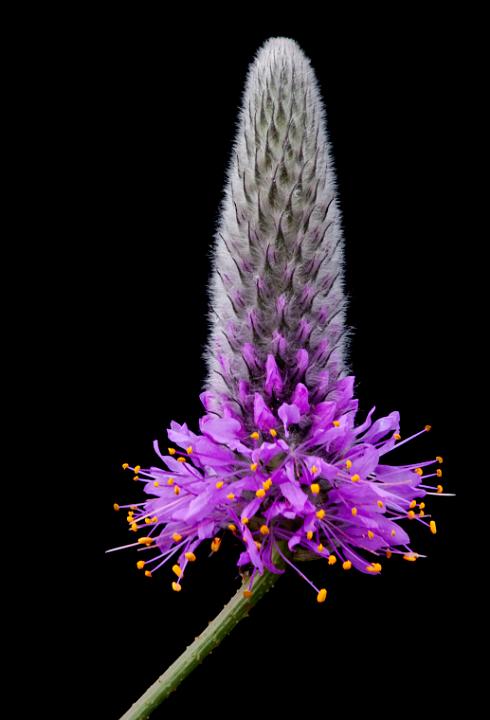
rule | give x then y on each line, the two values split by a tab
237	608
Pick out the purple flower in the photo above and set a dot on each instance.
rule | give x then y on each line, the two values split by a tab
282	472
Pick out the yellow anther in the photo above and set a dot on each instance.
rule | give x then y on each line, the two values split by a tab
336	423
428	428
397	436
140	564
320	548
156	483
170	481
181	459
439	459
347	565
411	557
253	467
177	570
388	554
260	493
322	596
354	511
355	478
267	484
410	514
370	534
219	484
255	435
439	472
348	464
245	520
393	533
264	530
190	557
176	537
315	488
134	527
137	469
273	432
171	451
136	477
130	516
309	534
332	559
148	573
145	540
176	490
247	594
433	527
189	450
125	466
419	471
373	567
176	587
232	527
439	488
116	507
313	469
380	504
230	496
422	505
413	504
258	545
215	544
147	521
421	513
320	514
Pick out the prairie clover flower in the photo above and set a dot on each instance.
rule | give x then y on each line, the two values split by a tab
281	461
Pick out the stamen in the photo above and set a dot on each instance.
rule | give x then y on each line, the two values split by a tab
137	469
177	570
177	490
156	483
148	573
255	436
219	484
264	530
232	528
380	504
315	488
413	504
354	511
439	472
116	507
428	428
260	493
170	481
215	544
373	567
181	459
347	565
397	436
309	534
189	450
145	540
253	467
322	595
313	469
140	564
171	451
125	466
411	557
332	559
433	527
439	459
320	514
320	548
336	423
230	496
267	484
440	489
355	478
245	520
370	534
273	432
388	554
410	514
190	557
176	587
348	464
176	537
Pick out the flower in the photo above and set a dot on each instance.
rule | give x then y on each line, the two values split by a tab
282	472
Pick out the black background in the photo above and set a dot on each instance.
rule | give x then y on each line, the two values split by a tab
153	121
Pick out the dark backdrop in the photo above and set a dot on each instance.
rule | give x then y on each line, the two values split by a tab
154	125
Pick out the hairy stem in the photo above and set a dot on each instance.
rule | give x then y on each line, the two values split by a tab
237	608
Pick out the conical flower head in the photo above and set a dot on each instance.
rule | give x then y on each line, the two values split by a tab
281	462
277	280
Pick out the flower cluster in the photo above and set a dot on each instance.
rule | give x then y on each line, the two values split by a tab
287	478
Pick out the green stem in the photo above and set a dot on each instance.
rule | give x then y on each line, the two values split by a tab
232	613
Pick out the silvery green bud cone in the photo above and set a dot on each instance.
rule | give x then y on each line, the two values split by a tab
277	284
